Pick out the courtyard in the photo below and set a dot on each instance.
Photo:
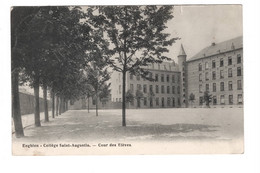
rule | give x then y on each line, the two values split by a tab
148	131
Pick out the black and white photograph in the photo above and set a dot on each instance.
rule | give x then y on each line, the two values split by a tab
127	79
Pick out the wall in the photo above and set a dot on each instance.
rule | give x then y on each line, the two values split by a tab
27	103
193	77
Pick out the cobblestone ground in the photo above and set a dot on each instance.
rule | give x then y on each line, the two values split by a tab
184	126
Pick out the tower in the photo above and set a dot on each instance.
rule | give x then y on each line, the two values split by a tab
183	82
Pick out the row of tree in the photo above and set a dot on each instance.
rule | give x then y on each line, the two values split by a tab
67	50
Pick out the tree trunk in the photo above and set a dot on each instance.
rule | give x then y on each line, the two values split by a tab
37	120
63	104
123	100
46	113
57	105
96	104
16	113
60	105
88	104
53	103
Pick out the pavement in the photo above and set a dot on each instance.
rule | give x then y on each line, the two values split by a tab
215	130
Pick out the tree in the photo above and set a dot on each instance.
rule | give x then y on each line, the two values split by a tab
151	97
138	96
19	17
129	98
207	98
97	78
191	98
136	36
104	93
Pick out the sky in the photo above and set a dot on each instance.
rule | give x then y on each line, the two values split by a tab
200	25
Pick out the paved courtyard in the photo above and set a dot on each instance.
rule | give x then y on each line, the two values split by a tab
195	130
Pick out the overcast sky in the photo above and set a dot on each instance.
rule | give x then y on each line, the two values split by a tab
200	25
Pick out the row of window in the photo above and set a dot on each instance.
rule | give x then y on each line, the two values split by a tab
230	74
222	86
170	102
169	90
221	62
156	78
222	99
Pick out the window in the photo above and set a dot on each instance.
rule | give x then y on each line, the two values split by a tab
238	58
206	76
94	101
145	101
144	88
156	77
119	99
178	79
162	102
179	101
230	60
151	102
200	67
131	77
239	99
214	100
230	87
201	100
168	78
200	77
214	87
173	79
239	71
157	101
150	88
207	87
168	89
119	88
162	77
221	62
222	87
213	75
132	102
206	65
178	90
173	89
132	87
222	99
230	72
239	85
221	74
139	87
173	102
162	89
151	75
157	89
230	99
213	64
168	101
200	88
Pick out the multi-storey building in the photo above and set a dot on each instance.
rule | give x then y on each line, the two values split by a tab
216	69
164	91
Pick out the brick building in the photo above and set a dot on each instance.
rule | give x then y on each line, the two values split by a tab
217	69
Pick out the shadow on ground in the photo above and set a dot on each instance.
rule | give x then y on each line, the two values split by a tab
78	131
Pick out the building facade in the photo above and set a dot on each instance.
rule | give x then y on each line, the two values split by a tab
217	69
163	92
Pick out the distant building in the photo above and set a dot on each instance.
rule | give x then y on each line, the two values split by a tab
217	69
165	91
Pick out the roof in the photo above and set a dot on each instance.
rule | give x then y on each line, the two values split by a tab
182	52
217	48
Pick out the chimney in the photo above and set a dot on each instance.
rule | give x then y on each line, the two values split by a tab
213	44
